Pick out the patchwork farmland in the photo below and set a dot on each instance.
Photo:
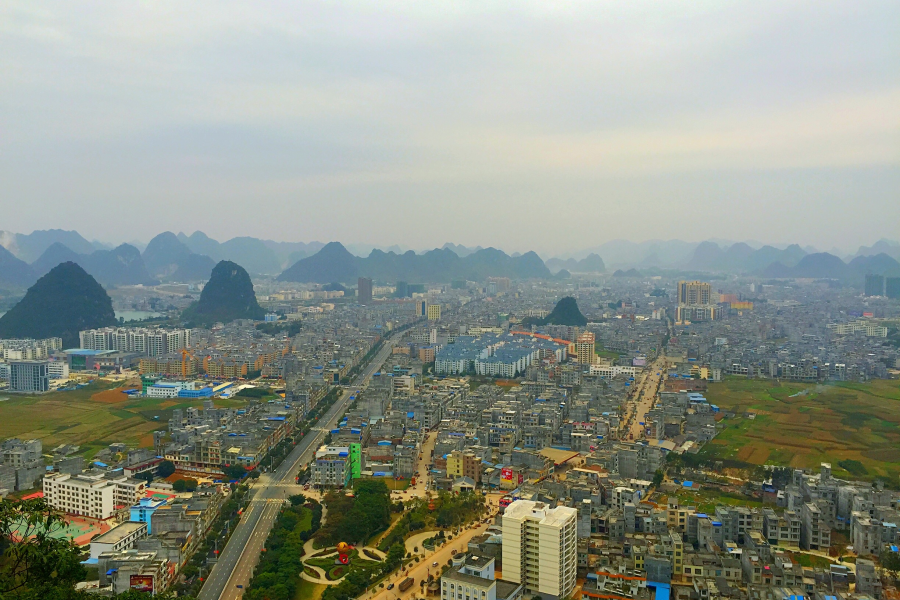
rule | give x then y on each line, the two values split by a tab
855	427
91	417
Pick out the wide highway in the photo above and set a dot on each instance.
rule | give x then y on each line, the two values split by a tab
237	561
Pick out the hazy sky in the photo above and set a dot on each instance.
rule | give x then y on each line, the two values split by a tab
546	125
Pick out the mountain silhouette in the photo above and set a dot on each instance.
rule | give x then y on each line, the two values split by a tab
62	303
335	263
228	295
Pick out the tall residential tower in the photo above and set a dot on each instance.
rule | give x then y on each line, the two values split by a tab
539	548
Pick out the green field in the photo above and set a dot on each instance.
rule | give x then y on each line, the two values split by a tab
91	417
853	426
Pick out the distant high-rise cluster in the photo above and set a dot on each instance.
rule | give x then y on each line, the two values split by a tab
695	302
364	290
874	285
152	342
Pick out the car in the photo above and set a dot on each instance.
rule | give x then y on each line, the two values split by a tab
390	586
239	586
434	564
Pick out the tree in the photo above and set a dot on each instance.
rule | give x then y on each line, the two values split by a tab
658	478
145	476
35	564
235	471
890	561
165	468
185	485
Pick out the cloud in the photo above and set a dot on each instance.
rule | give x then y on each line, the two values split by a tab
300	106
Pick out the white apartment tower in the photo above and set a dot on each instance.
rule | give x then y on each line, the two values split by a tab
540	548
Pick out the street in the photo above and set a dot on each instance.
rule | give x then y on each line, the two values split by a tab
239	558
644	398
420	571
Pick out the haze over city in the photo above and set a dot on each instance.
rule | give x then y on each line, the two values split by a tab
559	300
507	125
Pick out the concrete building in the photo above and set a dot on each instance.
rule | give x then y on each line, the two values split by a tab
119	538
584	348
695	302
364	290
92	496
874	285
815	534
464	464
472	578
434	312
29	376
335	466
141	340
539	548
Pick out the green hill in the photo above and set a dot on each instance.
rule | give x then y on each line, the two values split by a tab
565	312
60	304
227	296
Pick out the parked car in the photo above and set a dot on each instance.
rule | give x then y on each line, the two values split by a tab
390	586
434	564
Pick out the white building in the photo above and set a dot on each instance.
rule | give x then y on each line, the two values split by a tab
539	548
92	496
870	329
119	538
152	342
58	369
611	371
168	389
472	578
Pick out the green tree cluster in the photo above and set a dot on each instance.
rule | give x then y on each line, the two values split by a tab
450	510
354	519
358	580
185	485
34	565
278	570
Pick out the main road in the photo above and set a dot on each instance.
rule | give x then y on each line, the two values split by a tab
647	389
237	561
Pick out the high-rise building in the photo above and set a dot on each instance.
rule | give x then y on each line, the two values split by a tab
29	376
874	285
695	302
421	308
539	548
584	348
892	287
434	312
364	290
152	342
693	293
402	290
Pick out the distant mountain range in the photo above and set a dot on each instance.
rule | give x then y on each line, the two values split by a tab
592	263
823	265
335	263
257	256
187	258
120	266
